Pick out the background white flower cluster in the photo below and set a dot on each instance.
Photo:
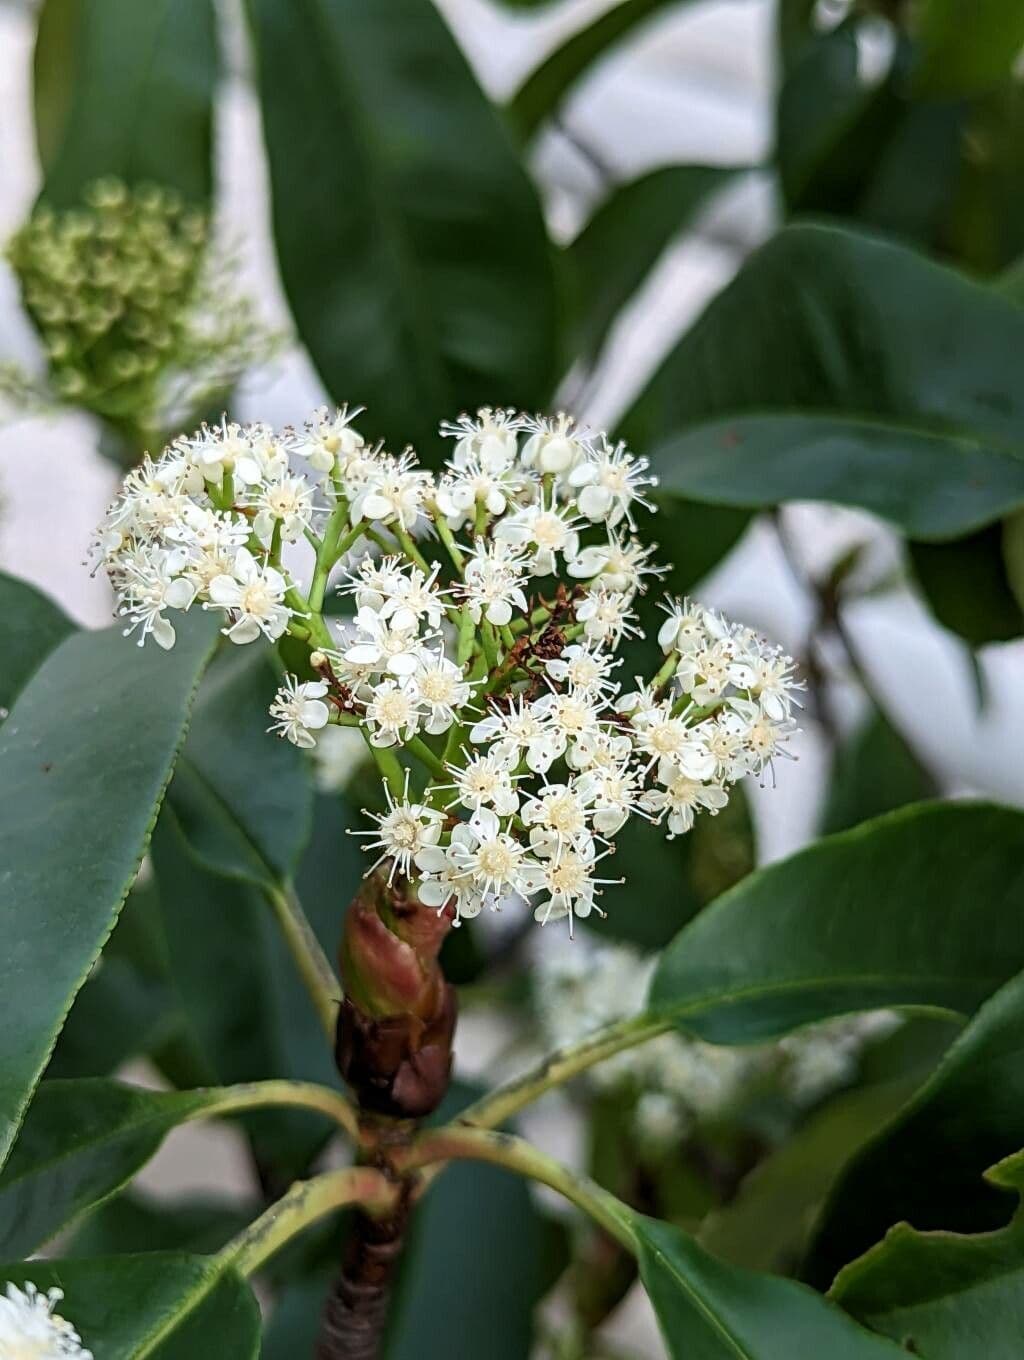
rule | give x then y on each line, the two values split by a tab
31	1328
490	603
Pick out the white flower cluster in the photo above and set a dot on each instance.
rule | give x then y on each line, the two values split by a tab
676	1082
488	604
31	1330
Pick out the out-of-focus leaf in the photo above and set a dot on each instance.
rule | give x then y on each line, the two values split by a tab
925	1166
161	1306
875	771
943	1295
712	1311
967	586
85	758
840	367
545	88
622	242
245	1005
668	882
127	90
410	238
80	1143
963	52
1013	554
134	1223
244	799
767	1225
33	626
920	907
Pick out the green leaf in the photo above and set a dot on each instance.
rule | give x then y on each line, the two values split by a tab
246	1009
668	882
161	1306
33	626
409	236
918	908
946	1295
85	758
244	799
622	242
1013	555
831	369
545	88
711	1311
925	1167
875	771
135	1223
966	52
967	585
126	89
80	1143
767	1224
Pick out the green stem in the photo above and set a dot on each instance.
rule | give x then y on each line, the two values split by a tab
331	550
303	1205
517	1155
387	763
499	1105
299	1094
409	547
448	539
313	965
666	672
426	756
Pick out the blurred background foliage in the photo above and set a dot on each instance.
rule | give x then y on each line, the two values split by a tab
867	355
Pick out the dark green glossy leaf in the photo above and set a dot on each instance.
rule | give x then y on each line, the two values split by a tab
409	237
622	242
944	1295
964	53
711	1311
967	586
921	907
668	882
244	799
875	771
81	1142
85	758
127	90
837	366
544	89
926	1166
161	1306
33	626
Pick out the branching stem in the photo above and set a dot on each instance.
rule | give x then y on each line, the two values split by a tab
314	967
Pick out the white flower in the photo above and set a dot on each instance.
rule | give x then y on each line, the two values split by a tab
298	711
618	564
402	833
609	481
441	880
566	883
685	629
285	501
151	584
392	714
254	594
490	859
663	738
767	674
607	616
572	714
31	1329
246	452
603	749
681	799
338	754
587	669
463	489
542	530
484	781
612	794
518	732
554	445
494	578
381	647
556	816
329	442
393	493
415	600
490	441
439	686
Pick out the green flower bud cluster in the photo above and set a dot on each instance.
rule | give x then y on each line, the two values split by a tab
137	310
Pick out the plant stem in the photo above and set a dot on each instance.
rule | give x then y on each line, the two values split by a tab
521	1157
503	1102
426	756
387	762
314	967
301	1094
303	1205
